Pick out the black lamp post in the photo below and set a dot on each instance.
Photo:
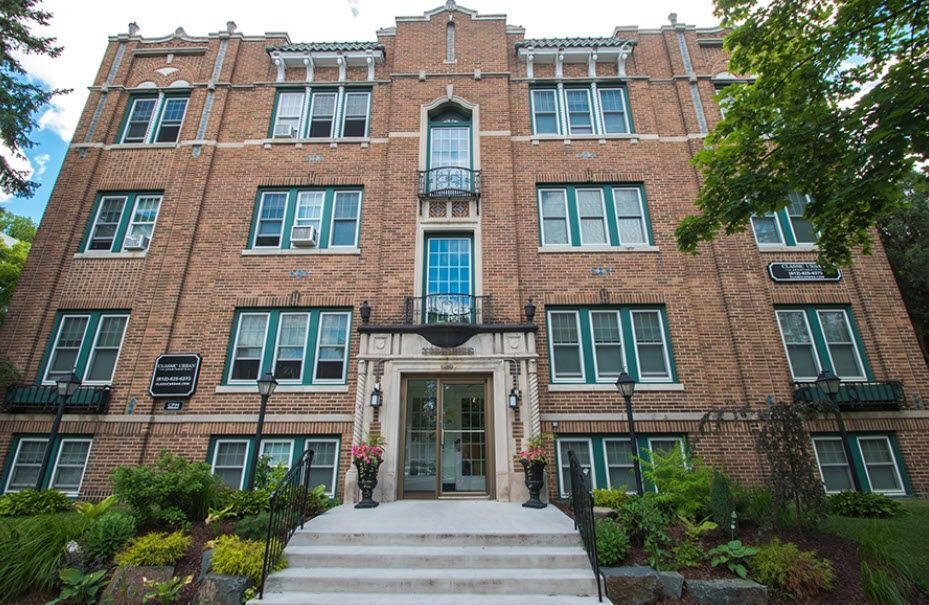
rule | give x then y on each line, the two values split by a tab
626	385
830	384
266	385
67	384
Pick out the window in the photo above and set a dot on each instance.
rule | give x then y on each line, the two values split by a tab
68	462
322	114
325	463
880	465
355	120
651	352
801	227
875	462
277	451
620	466
27	463
450	43
786	227
583	451
68	473
320	118
833	465
604	215
87	344
289	114
571	111
335	212
122	223
821	338
767	230
300	346
229	461
608	344
154	119
564	330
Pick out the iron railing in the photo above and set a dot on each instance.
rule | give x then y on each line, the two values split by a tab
38	398
287	511
582	505
853	396
448	309
450	182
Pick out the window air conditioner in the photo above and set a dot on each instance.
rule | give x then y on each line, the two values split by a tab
304	237
136	242
285	131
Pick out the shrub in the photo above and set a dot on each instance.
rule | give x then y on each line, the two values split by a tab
722	500
173	489
610	498
612	542
32	502
78	587
683	488
237	557
864	504
733	555
791	572
254	527
155	549
106	535
94	511
235	504
688	554
756	504
317	502
648	523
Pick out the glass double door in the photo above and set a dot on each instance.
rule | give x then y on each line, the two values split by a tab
445	438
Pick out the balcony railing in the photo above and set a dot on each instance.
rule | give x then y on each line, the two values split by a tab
447	309
855	395
37	398
450	182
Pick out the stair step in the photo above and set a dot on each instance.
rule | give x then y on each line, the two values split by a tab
572	582
426	557
516	539
344	598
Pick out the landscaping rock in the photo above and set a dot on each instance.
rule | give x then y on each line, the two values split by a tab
604	512
633	585
217	589
672	584
205	563
727	592
127	587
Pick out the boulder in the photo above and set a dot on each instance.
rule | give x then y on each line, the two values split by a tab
217	589
632	585
206	561
727	592
672	584
127	585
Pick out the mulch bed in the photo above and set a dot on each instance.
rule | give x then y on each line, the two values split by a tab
201	533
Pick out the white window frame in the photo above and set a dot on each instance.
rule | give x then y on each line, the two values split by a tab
593	344
93	226
348	342
164	100
567	217
48	366
367	95
606	461
558	126
61	442
854	343
580	346
790	222
622	97
809	332
777	226
664	345
893	461
248	445
580	218
258	219
290	455
235	345
311	194
590	112
300	116
561	467
642	221
332	219
335	461
819	464
93	347
277	346
151	120
19	445
133	222
335	107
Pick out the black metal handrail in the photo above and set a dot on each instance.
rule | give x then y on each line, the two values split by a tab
582	505
287	510
448	309
40	398
449	182
887	395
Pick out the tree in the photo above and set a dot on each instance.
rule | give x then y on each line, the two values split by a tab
20	100
13	255
18	227
905	233
837	107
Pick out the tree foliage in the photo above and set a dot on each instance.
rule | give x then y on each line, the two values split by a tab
20	99
837	107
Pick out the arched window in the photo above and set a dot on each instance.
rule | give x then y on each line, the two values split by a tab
450	42
450	149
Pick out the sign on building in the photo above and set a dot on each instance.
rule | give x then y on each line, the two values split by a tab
175	375
801	272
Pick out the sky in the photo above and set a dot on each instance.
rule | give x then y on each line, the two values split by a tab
83	27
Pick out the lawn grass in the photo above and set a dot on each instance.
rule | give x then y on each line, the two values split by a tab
894	551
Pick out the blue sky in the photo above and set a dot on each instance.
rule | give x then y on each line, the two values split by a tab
46	158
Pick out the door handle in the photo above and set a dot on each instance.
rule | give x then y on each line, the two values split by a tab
442	439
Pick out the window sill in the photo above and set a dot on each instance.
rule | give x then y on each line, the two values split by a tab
781	249
631	136
609	386
582	249
285	388
299	251
143	145
317	140
108	254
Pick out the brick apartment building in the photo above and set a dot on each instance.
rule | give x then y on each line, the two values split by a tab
372	219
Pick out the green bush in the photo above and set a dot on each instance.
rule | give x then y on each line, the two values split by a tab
235	504
106	535
173	489
756	504
254	527
317	502
688	554
722	500
80	588
612	542
683	488
647	522
864	504
610	498
32	502
733	555
237	557
790	572
95	511
155	549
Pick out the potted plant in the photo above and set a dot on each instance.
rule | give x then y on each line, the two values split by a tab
534	460
367	457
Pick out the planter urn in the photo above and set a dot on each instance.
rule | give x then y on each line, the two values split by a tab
535	479
367	481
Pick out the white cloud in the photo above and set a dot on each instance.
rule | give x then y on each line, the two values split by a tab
17	162
41	161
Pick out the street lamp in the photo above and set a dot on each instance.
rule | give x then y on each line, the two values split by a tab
626	385
67	384
266	385
829	383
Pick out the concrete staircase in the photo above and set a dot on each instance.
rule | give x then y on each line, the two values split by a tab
440	553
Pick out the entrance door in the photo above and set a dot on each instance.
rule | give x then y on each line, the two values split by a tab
445	438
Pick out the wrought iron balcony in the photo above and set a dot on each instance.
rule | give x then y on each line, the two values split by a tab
37	398
447	309
450	182
854	396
